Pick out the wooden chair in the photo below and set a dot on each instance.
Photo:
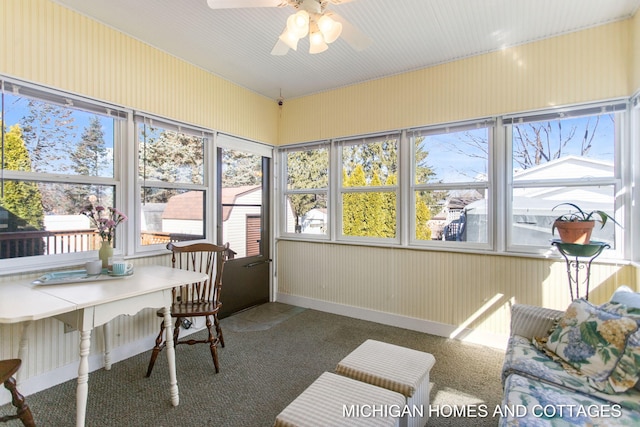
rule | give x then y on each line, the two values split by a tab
200	299
7	370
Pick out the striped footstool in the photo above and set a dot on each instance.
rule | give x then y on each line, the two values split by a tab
334	400
395	368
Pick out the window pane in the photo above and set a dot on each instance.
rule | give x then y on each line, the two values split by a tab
308	169
578	148
169	215
307	213
169	156
533	216
242	202
371	163
570	148
369	214
29	226
451	215
51	138
452	157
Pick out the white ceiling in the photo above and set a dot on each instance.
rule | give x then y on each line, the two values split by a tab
235	44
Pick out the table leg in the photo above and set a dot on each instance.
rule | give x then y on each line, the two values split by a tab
82	389
106	331
171	357
23	350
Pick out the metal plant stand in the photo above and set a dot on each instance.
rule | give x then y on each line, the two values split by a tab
579	257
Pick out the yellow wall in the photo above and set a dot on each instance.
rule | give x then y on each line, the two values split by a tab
42	42
579	67
47	44
634	54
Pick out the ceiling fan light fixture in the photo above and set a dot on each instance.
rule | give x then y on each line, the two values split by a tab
290	39
317	43
329	28
298	23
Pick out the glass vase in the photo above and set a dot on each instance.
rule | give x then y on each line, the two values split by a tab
105	253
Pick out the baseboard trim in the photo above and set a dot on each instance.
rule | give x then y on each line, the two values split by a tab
466	335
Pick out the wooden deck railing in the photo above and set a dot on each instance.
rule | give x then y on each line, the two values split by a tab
30	243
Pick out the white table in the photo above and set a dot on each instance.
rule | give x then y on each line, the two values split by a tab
88	305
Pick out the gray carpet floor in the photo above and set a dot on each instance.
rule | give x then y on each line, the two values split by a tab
273	352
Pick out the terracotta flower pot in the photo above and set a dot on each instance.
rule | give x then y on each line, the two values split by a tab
577	232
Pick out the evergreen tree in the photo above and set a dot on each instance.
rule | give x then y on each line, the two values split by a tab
167	156
380	157
424	174
90	155
240	168
21	199
353	214
307	169
371	214
423	215
389	209
375	210
89	159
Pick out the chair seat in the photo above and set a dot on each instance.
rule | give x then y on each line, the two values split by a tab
192	309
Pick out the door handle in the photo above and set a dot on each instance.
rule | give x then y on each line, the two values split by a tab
253	264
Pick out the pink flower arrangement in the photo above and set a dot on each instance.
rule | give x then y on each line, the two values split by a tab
105	220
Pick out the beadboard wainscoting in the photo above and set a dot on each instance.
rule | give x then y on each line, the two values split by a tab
458	295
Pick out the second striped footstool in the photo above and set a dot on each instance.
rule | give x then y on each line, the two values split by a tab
395	368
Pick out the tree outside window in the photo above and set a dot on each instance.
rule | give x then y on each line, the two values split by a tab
171	178
57	158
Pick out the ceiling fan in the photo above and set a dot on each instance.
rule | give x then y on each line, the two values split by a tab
311	18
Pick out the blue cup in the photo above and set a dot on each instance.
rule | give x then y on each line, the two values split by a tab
122	268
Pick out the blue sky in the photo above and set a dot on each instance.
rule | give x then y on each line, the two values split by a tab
453	160
15	108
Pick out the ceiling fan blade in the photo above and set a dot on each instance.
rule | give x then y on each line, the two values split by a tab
352	35
340	1
236	4
280	48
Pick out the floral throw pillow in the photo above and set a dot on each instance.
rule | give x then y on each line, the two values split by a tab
627	371
591	340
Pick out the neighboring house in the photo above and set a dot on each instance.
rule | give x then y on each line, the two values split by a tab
240	217
183	214
532	207
151	218
449	223
314	221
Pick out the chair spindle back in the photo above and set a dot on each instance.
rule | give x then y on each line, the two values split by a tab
204	258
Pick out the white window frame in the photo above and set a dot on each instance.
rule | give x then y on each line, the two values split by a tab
499	186
205	187
622	199
285	192
487	185
337	147
121	115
